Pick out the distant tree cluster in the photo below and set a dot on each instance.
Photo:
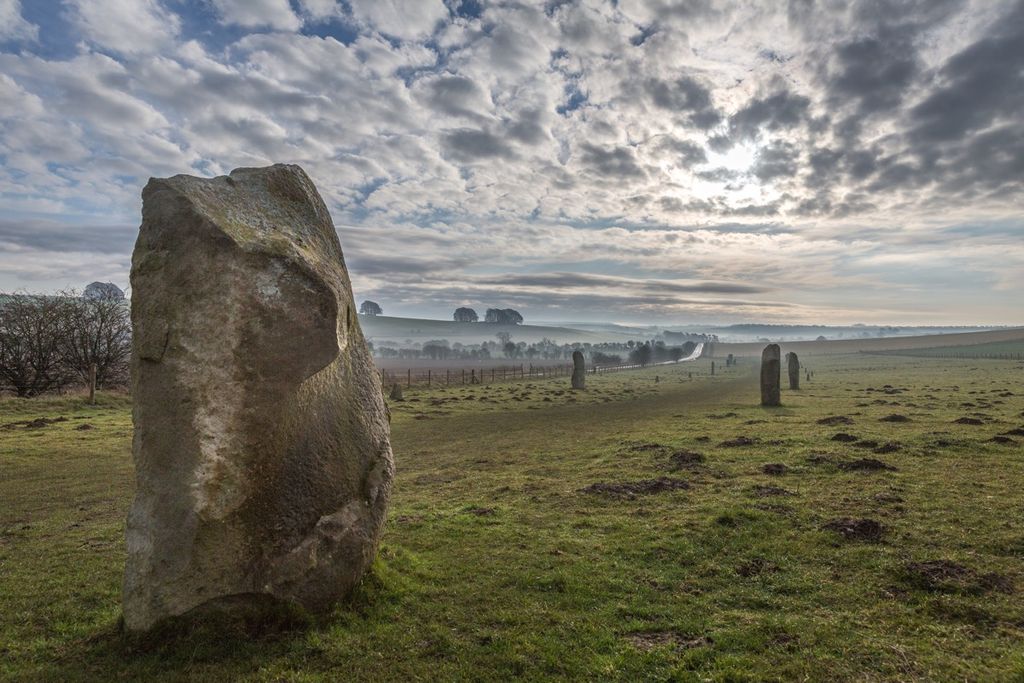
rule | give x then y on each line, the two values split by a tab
504	316
50	342
465	315
370	308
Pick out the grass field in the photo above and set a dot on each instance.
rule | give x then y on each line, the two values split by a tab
640	530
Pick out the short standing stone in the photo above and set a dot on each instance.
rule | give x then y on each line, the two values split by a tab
262	455
579	370
396	392
771	376
793	368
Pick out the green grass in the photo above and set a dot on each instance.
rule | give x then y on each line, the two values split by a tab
496	566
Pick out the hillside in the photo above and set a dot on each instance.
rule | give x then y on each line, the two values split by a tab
386	328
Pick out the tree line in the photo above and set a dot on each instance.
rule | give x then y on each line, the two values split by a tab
463	314
48	343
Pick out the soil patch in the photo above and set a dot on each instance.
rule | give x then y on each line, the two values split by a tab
968	421
685	459
762	491
650	640
631	489
855	529
946	576
738	442
775	468
888	447
836	420
845	438
865	465
895	417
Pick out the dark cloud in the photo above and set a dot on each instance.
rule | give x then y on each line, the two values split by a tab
777	160
977	86
469	144
779	111
455	96
873	73
614	162
685	96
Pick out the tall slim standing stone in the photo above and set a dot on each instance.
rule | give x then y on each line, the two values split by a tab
771	376
262	455
793	368
579	370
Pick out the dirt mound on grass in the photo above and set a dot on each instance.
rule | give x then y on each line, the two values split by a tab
631	489
865	465
946	576
968	421
895	417
843	437
738	442
650	640
685	459
855	529
833	420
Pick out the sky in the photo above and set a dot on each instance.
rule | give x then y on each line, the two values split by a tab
632	161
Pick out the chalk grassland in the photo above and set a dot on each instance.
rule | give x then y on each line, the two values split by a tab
640	530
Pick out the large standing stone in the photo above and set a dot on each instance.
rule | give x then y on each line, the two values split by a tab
579	370
771	376
262	456
793	368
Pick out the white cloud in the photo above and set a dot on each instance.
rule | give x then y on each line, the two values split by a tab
407	19
126	26
275	14
12	25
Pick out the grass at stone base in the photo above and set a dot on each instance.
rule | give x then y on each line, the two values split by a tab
495	565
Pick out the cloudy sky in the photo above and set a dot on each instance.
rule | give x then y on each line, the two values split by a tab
629	160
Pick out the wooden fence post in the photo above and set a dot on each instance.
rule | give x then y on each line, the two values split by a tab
408	377
92	383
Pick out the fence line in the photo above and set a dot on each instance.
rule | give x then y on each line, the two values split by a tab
505	373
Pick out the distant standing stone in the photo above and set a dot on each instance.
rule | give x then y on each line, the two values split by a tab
262	456
771	376
793	368
579	370
396	392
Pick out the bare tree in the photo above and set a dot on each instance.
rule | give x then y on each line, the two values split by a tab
98	332
31	338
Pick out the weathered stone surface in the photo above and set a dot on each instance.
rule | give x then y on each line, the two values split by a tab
793	368
262	454
396	392
771	375
579	370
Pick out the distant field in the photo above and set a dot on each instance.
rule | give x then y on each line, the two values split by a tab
843	346
654	527
1007	349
